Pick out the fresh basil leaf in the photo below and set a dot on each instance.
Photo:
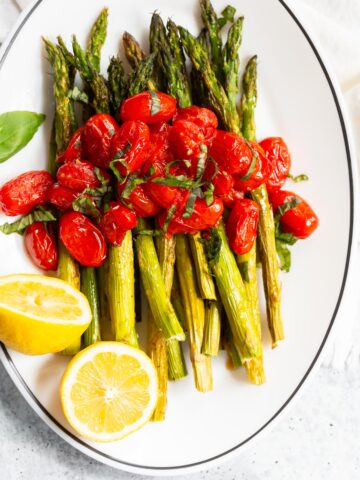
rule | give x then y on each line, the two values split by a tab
121	178
216	168
169	216
150	233
16	130
212	246
104	181
86	206
176	181
40	214
187	164
298	178
155	106
78	96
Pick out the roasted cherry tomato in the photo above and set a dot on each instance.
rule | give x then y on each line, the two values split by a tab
255	175
83	239
131	145
186	139
116	222
62	197
149	107
231	152
241	225
223	182
159	152
21	194
277	160
140	201
204	118
74	150
41	246
230	198
162	195
301	220
202	218
80	175
97	138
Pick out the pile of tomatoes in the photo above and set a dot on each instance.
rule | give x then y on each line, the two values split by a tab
170	163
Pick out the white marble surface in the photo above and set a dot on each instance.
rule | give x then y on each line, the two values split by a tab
318	439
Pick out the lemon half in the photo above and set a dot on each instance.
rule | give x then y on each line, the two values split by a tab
108	391
40	314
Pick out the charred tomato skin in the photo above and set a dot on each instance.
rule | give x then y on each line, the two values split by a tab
82	239
24	192
97	137
149	107
40	244
301	221
277	162
241	225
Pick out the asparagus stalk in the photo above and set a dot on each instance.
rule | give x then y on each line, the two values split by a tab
247	263
68	269
153	282
116	84
204	278
194	313
105	321
212	27
212	331
121	292
90	290
233	295
97	39
268	255
133	52
177	301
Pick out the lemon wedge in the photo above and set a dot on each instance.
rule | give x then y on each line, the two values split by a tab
40	314
108	391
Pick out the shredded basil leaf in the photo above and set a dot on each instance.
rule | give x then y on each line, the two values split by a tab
190	204
251	168
155	106
131	184
40	214
285	207
86	206
169	216
209	194
282	239
216	168
298	178
176	181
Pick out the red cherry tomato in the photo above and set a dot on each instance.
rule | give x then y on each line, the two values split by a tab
202	218
159	152
223	182
162	195
231	152
131	143
41	246
21	194
242	225
97	138
79	175
230	198
74	150
204	118
116	222
83	239
255	175
277	162
301	220
185	140
140	201
149	107
62	197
